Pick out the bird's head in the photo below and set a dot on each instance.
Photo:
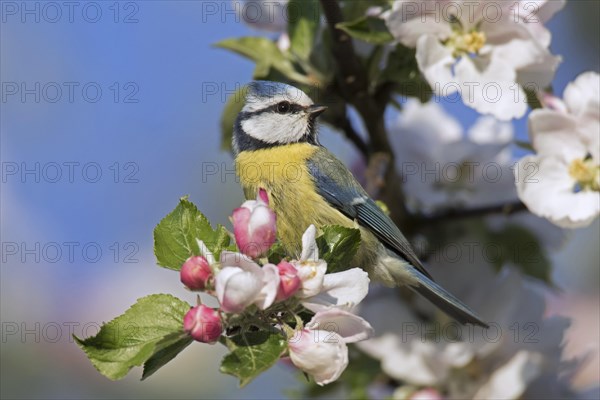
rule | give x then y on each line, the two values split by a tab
275	114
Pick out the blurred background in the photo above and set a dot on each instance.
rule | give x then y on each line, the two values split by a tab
109	113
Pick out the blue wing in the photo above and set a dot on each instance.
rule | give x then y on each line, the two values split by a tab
336	184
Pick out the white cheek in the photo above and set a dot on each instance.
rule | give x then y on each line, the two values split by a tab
276	128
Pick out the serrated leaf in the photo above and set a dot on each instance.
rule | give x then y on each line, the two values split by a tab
303	23
131	339
251	354
175	237
265	53
338	246
165	351
368	29
234	105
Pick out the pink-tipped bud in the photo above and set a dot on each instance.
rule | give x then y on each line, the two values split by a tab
195	273
254	226
426	394
203	324
289	281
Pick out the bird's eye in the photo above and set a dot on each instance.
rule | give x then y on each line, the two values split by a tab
283	107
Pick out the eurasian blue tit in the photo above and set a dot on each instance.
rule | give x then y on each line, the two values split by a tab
276	148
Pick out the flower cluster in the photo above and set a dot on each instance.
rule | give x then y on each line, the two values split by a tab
561	181
486	51
519	356
255	295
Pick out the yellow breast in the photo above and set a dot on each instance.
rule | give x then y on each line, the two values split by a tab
282	171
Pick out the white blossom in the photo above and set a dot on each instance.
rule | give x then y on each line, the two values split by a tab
320	348
561	182
519	356
444	167
485	51
319	290
241	282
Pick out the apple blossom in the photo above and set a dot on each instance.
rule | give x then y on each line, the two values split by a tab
241	282
318	290
254	225
320	348
195	273
311	270
561	182
203	324
484	55
445	167
508	367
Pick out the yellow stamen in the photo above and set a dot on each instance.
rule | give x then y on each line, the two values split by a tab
467	42
586	172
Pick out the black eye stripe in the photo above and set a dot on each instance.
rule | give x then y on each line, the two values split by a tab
294	108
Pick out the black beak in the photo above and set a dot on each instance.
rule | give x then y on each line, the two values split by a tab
316	110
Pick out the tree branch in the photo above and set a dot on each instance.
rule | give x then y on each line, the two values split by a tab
504	209
353	84
355	138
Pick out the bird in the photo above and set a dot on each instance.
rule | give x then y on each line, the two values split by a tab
276	149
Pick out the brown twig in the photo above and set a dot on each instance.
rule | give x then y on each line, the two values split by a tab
353	84
355	138
448	215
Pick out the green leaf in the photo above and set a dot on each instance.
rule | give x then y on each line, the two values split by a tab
234	105
276	253
338	246
402	70
265	53
175	236
132	338
369	29
251	354
165	351
352	9
520	247
303	23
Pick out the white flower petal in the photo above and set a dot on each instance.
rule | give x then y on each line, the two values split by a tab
489	87
555	134
312	275
232	259
351	328
510	380
487	129
341	289
310	251
544	185
583	92
435	62
409	20
321	354
204	252
236	289
270	282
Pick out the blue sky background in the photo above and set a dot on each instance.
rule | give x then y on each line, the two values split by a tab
163	139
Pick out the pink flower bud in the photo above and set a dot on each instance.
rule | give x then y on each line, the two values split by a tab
289	281
426	394
203	324
195	273
254	226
